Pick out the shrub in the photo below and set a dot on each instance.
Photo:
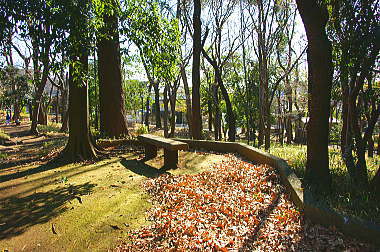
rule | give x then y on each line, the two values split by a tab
142	129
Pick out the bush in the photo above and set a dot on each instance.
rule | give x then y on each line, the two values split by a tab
142	129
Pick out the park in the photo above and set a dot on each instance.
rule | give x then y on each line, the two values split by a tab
162	125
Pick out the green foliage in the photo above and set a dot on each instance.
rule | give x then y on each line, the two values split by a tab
344	197
142	129
15	86
136	92
3	156
4	136
157	38
50	128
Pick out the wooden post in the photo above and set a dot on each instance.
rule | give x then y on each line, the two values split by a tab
150	151
170	159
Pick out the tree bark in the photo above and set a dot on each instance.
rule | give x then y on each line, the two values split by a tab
315	16
157	105
188	98
147	108
196	77
166	112
217	120
111	94
79	146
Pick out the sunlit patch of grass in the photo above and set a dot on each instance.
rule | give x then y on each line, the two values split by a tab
3	156
51	127
51	145
4	136
345	197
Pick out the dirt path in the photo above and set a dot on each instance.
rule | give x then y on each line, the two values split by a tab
24	148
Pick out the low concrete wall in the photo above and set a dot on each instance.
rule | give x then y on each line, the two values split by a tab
316	211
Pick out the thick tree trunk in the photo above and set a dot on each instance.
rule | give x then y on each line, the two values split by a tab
111	94
315	16
80	146
196	77
157	105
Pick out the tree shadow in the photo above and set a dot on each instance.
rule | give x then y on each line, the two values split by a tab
139	167
263	217
55	163
17	214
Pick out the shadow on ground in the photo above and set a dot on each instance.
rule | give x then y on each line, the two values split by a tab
17	214
140	168
45	167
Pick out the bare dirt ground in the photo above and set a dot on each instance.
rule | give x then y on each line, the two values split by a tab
24	148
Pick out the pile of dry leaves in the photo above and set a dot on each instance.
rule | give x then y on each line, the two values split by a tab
235	206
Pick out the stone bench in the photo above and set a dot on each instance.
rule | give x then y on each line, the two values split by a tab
171	147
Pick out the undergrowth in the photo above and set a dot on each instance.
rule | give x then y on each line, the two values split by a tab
50	128
344	197
4	136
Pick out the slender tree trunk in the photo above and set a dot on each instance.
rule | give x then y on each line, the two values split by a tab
172	100
166	111
188	98
157	105
57	106
112	114
65	121
16	114
315	16
231	121
371	147
147	107
217	120
196	77
210	110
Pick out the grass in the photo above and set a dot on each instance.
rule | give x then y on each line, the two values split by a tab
344	198
51	128
3	156
4	136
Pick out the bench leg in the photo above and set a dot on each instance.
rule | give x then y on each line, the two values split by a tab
150	151
170	159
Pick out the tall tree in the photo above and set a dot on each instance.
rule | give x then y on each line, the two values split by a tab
196	75
79	146
314	15
112	114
